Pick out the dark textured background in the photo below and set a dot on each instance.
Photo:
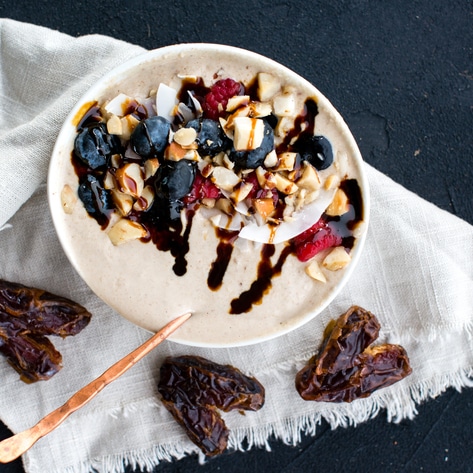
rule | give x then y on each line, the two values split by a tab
400	73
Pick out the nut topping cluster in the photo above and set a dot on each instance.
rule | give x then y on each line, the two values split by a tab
246	155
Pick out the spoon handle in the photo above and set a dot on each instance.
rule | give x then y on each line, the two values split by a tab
13	447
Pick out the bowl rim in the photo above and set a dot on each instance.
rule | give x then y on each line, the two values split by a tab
179	48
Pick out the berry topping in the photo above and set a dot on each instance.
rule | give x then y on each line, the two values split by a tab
215	102
211	138
317	150
175	179
253	158
150	137
97	200
94	146
317	238
202	188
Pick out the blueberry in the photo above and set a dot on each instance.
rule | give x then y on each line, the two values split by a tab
255	158
175	179
317	150
211	139
150	137
94	146
97	200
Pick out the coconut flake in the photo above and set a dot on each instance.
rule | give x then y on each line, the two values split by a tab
166	101
118	105
301	221
196	103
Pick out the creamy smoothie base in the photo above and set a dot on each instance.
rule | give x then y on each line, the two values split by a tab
138	280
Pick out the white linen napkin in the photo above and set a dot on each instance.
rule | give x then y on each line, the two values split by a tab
416	275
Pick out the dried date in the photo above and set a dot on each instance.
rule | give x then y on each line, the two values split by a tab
194	388
347	367
27	316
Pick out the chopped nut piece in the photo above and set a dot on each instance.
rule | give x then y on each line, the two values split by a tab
266	179
145	200
123	202
339	204
242	192
287	161
129	123
227	162
310	178
224	178
284	185
218	159
284	104
271	159
265	207
130	179
260	109
226	127
114	125
125	230
237	101
116	161
176	152
332	182
268	86
313	270
224	205
68	199
185	136
284	126
248	133
205	168
151	166
109	181
208	202
337	259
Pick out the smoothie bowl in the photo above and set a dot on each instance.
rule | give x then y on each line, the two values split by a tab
210	179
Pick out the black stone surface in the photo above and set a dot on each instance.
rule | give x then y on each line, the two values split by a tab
401	75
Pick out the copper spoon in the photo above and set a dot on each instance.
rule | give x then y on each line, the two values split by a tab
13	447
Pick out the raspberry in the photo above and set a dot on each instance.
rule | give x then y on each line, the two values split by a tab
201	189
317	238
215	102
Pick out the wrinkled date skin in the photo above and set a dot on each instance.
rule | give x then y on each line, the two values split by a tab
194	388
27	316
347	367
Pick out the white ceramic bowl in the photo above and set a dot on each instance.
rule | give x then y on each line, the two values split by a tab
136	279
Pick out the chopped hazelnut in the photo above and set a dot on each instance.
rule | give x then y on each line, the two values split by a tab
265	207
125	230
268	86
271	159
123	202
130	179
114	125
109	181
337	259
68	199
237	101
284	185
145	200
313	270
287	161
284	104
151	166
332	182
310	178
339	204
